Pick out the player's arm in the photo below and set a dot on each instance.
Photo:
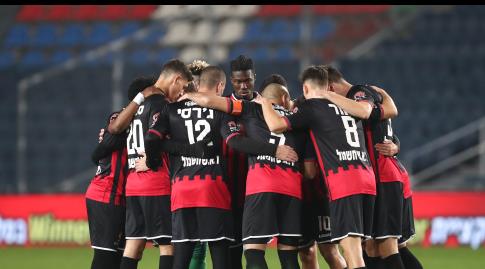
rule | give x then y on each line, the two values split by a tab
107	145
389	147
360	110
210	101
126	116
389	109
275	122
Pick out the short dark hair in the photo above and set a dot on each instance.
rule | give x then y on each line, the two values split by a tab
242	63
273	78
177	66
111	115
211	76
316	74
334	74
138	85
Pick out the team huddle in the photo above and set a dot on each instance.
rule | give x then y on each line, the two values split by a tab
184	167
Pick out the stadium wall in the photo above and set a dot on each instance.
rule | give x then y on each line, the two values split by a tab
441	218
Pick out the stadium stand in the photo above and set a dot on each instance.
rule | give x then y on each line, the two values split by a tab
43	36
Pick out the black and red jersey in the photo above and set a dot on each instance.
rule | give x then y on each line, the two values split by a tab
197	182
108	185
377	129
268	173
148	183
338	139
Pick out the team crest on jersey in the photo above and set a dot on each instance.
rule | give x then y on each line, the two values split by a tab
155	118
295	109
233	127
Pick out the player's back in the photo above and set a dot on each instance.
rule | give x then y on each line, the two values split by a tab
148	182
338	140
268	173
198	182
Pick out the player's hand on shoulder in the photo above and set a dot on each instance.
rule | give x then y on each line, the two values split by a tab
286	153
140	164
387	148
185	96
100	135
151	90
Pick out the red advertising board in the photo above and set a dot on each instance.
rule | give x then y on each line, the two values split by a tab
441	218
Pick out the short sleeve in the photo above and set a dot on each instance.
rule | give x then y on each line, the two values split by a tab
301	117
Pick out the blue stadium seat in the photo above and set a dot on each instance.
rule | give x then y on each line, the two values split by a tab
261	53
140	56
33	58
284	53
128	28
60	56
6	59
254	30
323	28
45	35
73	35
100	33
18	35
166	54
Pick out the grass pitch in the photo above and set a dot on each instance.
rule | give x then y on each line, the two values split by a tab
80	258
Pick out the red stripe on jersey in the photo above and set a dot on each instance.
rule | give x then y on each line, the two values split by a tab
370	148
110	188
200	192
275	180
320	161
231	136
157	133
149	183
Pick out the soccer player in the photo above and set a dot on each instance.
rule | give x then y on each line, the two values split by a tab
243	77
148	215
105	200
201	201
198	257
343	159
389	172
273	78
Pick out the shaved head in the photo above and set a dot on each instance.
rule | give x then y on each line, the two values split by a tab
275	91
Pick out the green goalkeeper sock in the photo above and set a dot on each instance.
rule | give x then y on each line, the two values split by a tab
198	257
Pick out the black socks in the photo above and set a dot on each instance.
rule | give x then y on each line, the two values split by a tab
393	262
236	257
166	262
128	263
288	259
104	259
255	259
409	260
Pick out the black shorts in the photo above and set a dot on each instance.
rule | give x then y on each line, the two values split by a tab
237	213
204	224
388	210
315	223
149	217
106	225
271	214
407	221
352	215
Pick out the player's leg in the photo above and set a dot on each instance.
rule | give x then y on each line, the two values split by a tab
352	248
258	227
220	254
289	227
135	233
288	252
332	256
409	260
236	248
371	254
198	257
183	253
105	222
388	223
254	254
308	256
158	219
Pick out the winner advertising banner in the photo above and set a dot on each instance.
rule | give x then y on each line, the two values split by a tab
441	218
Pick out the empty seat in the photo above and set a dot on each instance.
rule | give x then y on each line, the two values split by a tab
139	56
33	58
100	34
166	54
59	13
201	33
31	13
190	53
179	32
6	59
114	12
72	35
323	28
18	35
45	35
85	12
60	56
139	12
230	31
